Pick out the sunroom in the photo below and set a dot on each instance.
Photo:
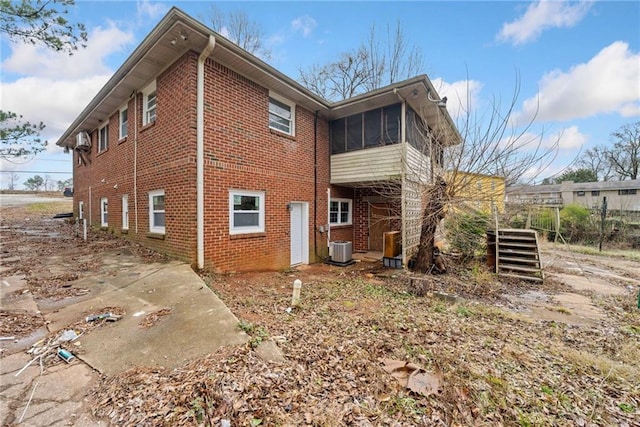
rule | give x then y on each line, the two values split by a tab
386	146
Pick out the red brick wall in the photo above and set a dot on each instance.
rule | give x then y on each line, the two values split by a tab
343	232
361	214
165	161
241	152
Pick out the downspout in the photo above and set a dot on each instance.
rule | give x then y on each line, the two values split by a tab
90	213
200	151
403	196
315	185
403	193
329	220
135	157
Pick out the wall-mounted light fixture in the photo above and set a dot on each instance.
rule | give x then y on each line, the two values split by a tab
289	207
173	41
442	103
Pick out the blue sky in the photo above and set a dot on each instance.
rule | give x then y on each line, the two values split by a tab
577	63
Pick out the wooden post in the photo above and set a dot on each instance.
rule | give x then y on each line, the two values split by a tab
603	216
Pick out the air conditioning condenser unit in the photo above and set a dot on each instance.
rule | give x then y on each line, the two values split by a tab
341	251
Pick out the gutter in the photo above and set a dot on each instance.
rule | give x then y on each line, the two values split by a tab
200	151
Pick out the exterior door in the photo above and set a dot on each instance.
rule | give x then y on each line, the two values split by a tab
299	214
379	223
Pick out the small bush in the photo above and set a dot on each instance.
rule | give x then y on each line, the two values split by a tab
466	232
576	224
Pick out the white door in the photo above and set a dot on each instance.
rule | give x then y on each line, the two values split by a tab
299	233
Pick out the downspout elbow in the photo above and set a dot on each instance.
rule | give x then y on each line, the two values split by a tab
200	151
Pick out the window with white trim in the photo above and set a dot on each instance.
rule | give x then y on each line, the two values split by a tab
340	211
125	211
103	138
104	212
123	122
246	212
149	104
81	210
156	211
281	114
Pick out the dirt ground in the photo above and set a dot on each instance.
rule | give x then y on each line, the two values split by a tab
494	351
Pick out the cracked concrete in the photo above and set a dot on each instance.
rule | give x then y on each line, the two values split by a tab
197	324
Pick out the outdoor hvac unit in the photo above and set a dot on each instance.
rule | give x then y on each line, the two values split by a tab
83	142
341	251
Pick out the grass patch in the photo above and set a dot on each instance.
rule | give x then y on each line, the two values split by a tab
626	407
49	207
463	311
611	370
613	253
258	334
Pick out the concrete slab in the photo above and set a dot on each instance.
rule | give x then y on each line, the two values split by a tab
269	352
11	284
198	322
592	283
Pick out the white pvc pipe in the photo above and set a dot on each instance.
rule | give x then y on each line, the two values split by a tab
200	151
90	213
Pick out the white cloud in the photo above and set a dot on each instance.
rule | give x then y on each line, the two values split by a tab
608	83
540	16
57	102
305	24
38	61
567	139
53	87
462	96
150	10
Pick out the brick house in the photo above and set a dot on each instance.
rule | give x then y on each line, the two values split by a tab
198	149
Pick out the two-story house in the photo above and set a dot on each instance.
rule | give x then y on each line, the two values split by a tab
621	196
198	149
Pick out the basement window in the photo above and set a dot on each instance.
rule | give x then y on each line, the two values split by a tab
104	212
156	212
246	212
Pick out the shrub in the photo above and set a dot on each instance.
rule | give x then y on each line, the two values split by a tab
576	224
466	232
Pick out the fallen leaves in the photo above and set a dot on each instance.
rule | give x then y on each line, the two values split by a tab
475	364
153	318
413	377
19	323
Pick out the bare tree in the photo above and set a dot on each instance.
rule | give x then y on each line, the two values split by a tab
376	62
13	180
459	181
596	159
625	154
240	29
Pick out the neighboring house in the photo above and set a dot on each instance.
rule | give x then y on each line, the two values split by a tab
621	195
198	149
479	191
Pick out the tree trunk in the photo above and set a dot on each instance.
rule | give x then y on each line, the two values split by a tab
432	215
